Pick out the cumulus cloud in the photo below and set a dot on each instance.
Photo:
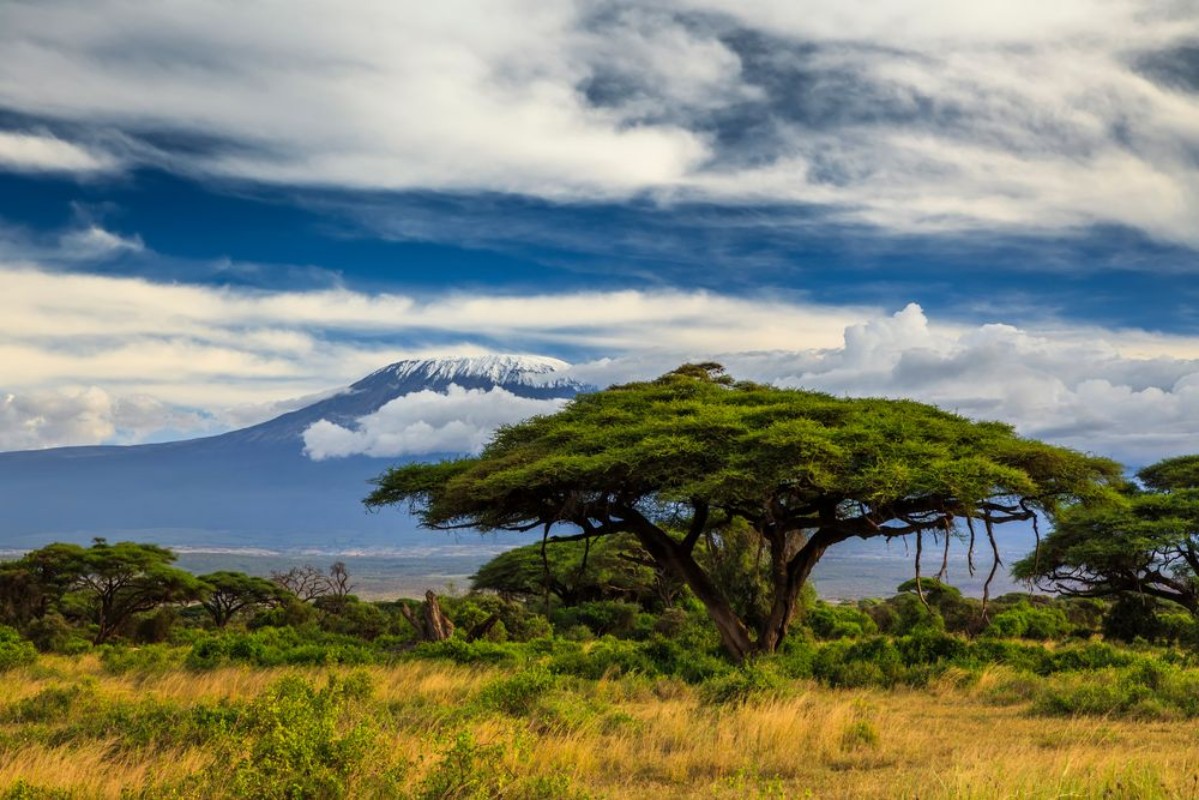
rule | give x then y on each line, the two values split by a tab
908	115
458	421
32	420
1076	387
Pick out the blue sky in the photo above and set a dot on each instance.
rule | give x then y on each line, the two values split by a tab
208	211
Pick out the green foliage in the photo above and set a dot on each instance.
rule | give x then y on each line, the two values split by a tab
1147	544
518	694
302	742
609	568
1133	617
351	617
273	647
1025	621
600	617
25	791
839	621
225	594
148	659
749	683
1147	690
108	584
694	455
14	650
469	770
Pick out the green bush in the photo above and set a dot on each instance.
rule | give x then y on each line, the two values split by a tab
27	791
273	647
462	652
154	658
14	650
606	657
299	742
868	662
602	617
518	694
1024	621
749	683
468	770
839	622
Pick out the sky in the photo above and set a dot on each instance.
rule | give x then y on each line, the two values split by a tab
210	212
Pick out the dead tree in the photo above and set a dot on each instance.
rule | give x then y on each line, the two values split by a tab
430	622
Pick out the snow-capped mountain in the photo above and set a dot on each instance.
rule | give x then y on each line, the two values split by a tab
524	376
252	486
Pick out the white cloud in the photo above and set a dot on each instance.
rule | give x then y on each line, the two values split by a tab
78	351
37	419
458	421
912	115
34	152
93	242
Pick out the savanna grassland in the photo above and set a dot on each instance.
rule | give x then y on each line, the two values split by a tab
148	726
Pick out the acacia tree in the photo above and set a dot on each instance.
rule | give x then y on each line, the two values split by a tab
1147	545
614	568
672	459
226	593
107	583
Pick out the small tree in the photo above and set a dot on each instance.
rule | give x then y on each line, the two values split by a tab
1147	545
227	593
672	459
615	568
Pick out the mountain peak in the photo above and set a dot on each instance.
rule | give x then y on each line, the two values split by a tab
524	376
496	369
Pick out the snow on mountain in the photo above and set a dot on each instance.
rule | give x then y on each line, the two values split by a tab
461	403
499	369
530	377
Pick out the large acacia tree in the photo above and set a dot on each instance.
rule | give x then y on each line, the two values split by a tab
674	460
1147	545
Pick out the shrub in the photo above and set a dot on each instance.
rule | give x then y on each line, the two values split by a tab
468	770
518	694
868	662
751	682
839	622
1024	621
606	657
462	652
22	790
602	617
14	650
300	743
155	658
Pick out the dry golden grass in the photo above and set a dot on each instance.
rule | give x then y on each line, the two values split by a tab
658	741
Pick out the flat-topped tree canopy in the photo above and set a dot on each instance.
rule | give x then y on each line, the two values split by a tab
1147	546
674	459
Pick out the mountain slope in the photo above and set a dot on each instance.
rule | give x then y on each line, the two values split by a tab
249	487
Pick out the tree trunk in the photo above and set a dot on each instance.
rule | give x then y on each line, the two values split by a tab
734	635
432	625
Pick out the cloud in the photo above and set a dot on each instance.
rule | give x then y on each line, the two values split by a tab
35	152
1072	387
458	421
206	345
92	243
90	358
39	419
913	116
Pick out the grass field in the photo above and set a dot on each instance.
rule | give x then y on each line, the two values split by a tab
422	729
